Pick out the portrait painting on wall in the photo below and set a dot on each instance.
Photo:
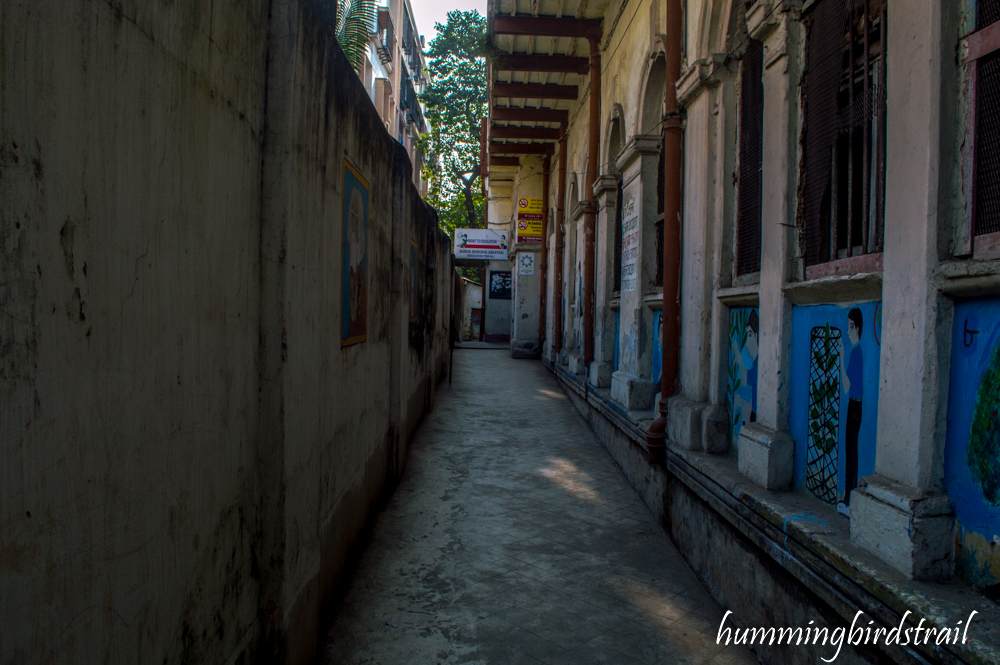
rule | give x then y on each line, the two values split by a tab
500	285
741	382
413	280
834	397
972	444
354	275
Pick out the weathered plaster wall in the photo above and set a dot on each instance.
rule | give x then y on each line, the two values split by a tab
187	451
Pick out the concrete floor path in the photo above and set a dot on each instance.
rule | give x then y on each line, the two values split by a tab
513	538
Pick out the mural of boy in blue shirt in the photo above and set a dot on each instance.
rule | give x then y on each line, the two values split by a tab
852	379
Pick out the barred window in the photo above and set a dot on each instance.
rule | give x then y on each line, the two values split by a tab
842	188
751	157
986	168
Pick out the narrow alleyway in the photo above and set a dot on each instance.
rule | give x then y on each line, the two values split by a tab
513	538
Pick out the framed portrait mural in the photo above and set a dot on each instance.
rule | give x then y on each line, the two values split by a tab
500	285
354	276
414	249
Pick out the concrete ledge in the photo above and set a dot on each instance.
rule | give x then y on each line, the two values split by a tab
576	364
913	534
684	422
715	429
600	374
766	456
631	392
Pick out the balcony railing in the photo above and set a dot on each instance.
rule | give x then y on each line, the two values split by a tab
385	36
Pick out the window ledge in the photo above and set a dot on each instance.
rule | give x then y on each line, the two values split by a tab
653	301
616	303
737	296
859	286
852	265
968	277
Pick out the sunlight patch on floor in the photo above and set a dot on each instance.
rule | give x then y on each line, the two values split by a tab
571	478
551	394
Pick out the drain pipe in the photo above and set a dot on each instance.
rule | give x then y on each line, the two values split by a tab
590	212
557	295
673	140
546	167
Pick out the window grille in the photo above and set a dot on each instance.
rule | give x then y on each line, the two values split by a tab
618	237
987	145
987	13
661	169
751	160
842	196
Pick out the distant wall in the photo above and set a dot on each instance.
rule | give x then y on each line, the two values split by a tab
188	452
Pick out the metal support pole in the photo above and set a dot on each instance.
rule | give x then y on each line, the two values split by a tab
590	212
560	219
673	142
547	166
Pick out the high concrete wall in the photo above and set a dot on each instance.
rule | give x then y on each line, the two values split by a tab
187	451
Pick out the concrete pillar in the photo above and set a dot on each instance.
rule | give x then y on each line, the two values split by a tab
606	192
632	385
901	513
765	447
525	255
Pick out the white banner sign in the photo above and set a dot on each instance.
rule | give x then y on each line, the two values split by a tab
630	245
480	244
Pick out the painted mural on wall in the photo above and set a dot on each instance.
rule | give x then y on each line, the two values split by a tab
500	285
972	448
834	397
741	384
354	275
413	280
630	245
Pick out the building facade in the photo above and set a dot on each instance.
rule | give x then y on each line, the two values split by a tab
805	195
394	75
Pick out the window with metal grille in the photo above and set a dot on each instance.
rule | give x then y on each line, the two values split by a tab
750	184
986	168
618	237
842	190
660	183
987	13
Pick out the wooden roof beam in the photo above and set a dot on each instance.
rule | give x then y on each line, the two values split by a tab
521	148
529	133
515	114
548	26
535	90
504	161
518	62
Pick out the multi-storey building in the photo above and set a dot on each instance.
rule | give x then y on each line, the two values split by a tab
394	75
772	238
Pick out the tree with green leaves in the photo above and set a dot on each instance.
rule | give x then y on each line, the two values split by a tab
355	22
455	102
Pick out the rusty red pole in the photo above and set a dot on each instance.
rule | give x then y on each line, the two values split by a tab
547	166
590	213
673	141
557	295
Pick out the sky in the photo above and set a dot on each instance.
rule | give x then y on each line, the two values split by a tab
428	12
